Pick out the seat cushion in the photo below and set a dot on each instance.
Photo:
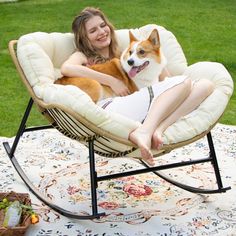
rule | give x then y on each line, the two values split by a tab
41	55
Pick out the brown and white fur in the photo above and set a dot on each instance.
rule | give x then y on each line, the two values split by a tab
140	65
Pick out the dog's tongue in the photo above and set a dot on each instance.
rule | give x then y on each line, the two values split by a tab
133	72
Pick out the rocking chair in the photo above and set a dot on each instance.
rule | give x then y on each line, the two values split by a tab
38	57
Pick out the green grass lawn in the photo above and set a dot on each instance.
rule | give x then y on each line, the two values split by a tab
206	31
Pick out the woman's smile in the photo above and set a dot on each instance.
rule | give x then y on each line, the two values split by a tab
103	38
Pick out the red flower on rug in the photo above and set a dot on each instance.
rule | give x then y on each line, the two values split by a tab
137	190
72	190
108	205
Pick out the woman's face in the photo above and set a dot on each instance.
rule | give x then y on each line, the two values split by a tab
98	32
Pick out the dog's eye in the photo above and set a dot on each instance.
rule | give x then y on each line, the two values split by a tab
142	52
130	52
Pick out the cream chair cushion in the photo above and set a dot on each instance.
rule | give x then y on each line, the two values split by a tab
41	55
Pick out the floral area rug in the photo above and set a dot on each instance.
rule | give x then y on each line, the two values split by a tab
137	205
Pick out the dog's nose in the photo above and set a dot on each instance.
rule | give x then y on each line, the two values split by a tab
130	62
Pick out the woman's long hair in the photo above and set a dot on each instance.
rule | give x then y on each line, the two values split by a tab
81	40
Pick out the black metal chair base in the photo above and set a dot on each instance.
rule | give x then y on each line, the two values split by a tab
94	179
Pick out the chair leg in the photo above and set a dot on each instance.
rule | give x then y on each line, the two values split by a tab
93	177
21	127
214	160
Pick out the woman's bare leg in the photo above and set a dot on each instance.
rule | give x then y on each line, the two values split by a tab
161	108
201	90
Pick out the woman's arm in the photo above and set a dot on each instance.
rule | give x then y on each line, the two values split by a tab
73	67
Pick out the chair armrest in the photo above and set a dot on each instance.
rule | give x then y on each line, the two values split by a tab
214	71
210	110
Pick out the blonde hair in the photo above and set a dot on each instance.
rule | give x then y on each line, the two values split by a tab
81	40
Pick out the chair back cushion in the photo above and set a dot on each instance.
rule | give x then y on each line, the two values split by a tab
47	51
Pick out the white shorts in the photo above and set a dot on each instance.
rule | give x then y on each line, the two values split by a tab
136	105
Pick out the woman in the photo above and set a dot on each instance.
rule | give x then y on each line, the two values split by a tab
96	43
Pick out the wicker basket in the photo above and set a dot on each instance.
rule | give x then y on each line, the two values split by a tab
25	218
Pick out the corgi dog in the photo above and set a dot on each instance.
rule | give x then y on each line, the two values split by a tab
144	61
140	65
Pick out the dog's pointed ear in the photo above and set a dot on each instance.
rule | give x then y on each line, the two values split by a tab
154	38
132	37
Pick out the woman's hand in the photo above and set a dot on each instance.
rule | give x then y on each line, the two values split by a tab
119	88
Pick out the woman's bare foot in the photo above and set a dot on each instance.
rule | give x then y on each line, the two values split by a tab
157	142
143	140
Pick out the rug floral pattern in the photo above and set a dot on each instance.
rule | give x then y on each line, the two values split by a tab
136	205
